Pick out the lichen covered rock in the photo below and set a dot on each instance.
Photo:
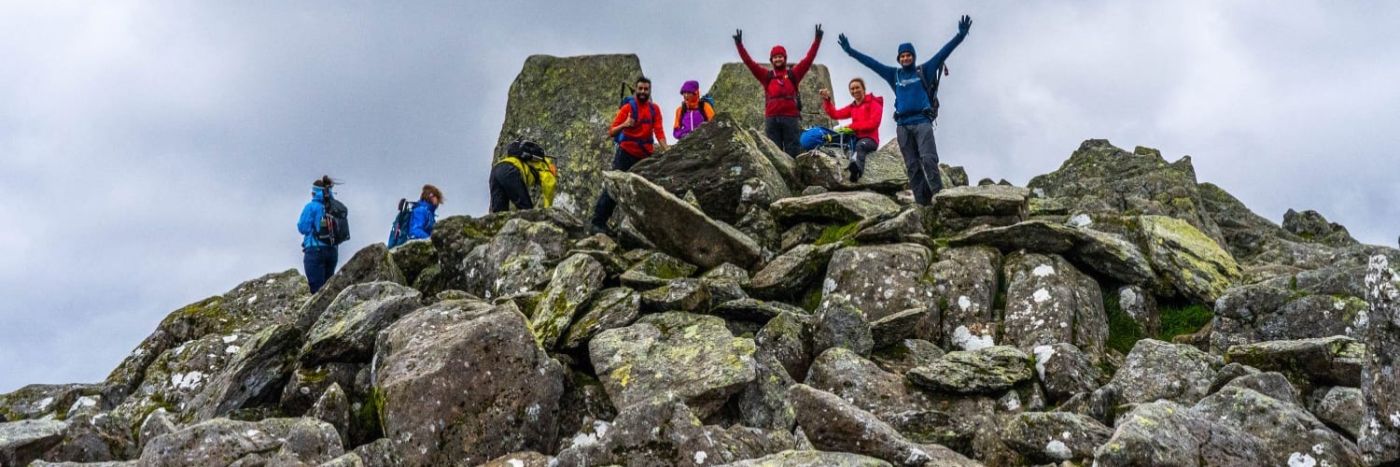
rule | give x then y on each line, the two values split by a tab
570	288
688	356
985	371
723	164
880	280
1157	370
678	228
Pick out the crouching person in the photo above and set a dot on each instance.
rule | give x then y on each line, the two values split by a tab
524	166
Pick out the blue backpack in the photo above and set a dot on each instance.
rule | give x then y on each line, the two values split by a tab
398	233
629	100
816	137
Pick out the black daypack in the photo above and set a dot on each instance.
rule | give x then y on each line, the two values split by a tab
931	88
335	222
398	233
796	87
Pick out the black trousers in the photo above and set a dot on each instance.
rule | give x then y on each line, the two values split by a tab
786	132
863	147
319	262
920	152
603	210
508	187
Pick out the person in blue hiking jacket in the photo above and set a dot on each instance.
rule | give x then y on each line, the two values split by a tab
424	217
912	111
318	258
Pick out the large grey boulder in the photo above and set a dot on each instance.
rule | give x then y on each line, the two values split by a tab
1103	253
966	280
678	228
792	272
370	264
1190	262
23	441
833	207
346	331
666	432
736	91
832	424
38	400
788	337
254	374
656	269
959	208
859	381
880	279
1311	226
1265	312
992	370
1157	370
611	308
1049	437
811	459
425	361
1326	361
838	323
1291	434
1064	371
763	403
723	164
572	285
574	96
515	261
691	357
1100	179
1166	433
1380	385
1341	408
274	441
1048	301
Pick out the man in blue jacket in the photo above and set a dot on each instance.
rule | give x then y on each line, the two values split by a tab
913	112
318	258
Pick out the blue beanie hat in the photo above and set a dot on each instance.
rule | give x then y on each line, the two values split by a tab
907	47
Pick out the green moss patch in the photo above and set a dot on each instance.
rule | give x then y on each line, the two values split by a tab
1123	330
838	234
1177	321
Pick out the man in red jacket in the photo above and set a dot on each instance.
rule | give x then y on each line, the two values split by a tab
782	108
638	135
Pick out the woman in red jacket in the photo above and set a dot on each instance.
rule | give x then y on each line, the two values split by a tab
865	113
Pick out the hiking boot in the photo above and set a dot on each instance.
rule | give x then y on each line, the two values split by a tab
856	171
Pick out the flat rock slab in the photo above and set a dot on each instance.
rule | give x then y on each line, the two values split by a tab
677	227
838	206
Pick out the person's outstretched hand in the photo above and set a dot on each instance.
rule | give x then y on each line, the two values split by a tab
841	39
738	36
826	94
819	31
964	24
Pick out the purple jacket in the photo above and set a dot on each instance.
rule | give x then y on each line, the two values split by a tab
689	118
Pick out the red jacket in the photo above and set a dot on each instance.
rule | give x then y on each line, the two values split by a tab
865	116
780	93
639	141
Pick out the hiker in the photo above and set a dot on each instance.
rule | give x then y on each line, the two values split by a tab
915	108
424	213
782	108
525	165
319	233
865	112
638	131
694	110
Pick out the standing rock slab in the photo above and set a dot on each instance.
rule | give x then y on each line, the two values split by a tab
880	280
788	337
463	382
688	356
835	207
832	424
1291	434
1158	370
370	264
966	280
611	308
724	164
838	323
1380	383
347	329
274	441
992	370
1166	433
1189	261
567	104
1048	301
1065	371
678	228
571	287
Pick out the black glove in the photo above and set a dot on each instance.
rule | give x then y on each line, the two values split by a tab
964	24
738	36
529	148
819	31
841	40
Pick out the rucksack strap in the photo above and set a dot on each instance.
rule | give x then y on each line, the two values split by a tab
787	74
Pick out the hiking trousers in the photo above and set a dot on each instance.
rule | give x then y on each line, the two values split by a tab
508	187
920	160
863	147
603	211
319	262
786	132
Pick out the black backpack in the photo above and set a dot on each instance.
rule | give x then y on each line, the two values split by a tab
931	88
796	87
336	222
398	234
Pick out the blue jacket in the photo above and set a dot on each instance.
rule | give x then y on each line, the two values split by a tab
910	99
310	220
423	220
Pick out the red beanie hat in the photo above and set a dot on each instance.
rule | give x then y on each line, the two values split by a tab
777	50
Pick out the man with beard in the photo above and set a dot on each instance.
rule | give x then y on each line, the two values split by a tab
638	131
782	102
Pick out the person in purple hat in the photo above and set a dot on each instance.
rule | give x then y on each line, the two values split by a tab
693	111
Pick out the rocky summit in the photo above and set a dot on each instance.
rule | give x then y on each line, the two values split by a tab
754	309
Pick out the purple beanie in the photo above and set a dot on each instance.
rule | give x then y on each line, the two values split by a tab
690	86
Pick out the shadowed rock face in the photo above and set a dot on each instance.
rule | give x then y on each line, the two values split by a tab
736	91
724	164
567	104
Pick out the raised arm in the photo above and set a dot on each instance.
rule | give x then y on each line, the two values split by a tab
757	70
884	71
800	70
963	26
831	110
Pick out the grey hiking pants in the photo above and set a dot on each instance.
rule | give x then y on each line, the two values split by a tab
920	160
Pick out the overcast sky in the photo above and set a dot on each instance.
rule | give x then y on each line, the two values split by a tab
156	153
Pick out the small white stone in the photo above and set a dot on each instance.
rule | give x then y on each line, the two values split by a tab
1057	449
1043	270
1299	459
965	339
